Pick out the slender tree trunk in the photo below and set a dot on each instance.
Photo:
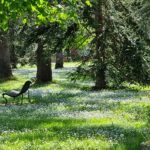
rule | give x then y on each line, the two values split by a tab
59	60
5	69
44	72
68	55
13	57
100	82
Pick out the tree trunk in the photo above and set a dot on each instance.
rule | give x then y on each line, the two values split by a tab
69	59
59	60
100	78
100	82
5	69
13	57
44	72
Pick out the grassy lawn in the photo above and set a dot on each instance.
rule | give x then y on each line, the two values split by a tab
69	116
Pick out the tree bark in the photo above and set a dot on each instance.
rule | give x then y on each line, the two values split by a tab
100	79
5	68
44	71
69	59
100	82
13	57
59	60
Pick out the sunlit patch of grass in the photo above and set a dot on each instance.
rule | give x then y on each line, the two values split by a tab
71	64
35	141
136	87
12	84
77	132
66	115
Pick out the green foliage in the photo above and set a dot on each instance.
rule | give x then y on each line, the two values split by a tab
142	15
126	49
42	10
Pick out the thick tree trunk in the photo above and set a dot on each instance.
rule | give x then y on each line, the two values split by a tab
59	60
44	72
13	56
5	69
100	82
100	79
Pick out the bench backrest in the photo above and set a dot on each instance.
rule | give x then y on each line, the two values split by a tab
25	87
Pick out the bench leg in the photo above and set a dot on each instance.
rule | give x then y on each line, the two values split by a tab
29	97
5	99
22	99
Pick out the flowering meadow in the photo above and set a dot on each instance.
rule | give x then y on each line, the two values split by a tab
64	115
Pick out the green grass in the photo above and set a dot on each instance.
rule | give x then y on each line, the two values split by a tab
72	117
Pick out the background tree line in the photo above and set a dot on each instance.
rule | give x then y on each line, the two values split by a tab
111	36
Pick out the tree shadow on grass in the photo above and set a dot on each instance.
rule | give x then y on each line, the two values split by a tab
116	94
68	96
25	72
74	85
82	101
